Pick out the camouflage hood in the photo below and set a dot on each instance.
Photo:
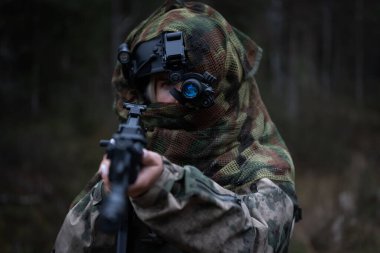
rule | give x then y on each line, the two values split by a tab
234	142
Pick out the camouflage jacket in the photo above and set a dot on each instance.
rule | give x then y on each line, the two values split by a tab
186	211
238	194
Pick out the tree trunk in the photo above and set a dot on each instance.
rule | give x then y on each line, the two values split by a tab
291	84
36	69
276	23
327	47
359	56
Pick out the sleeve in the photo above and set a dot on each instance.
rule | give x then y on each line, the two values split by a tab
78	232
197	215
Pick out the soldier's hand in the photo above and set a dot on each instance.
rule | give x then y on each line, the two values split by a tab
152	167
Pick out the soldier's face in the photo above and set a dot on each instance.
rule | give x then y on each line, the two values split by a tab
158	90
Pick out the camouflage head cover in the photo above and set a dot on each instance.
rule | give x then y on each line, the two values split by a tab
234	142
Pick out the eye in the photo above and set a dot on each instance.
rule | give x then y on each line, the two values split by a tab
164	84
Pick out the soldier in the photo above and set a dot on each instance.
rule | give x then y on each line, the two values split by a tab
216	175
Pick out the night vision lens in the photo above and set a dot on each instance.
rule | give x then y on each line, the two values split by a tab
190	89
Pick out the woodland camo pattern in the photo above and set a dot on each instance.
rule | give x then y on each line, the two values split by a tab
228	180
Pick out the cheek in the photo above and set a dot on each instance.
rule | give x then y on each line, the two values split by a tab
150	92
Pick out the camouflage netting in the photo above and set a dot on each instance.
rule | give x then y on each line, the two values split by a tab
233	142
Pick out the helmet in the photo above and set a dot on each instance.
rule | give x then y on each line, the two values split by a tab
234	141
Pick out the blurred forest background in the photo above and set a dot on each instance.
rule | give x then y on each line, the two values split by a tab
319	78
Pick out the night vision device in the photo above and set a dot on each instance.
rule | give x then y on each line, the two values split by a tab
166	54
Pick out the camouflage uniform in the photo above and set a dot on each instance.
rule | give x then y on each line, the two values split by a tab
228	179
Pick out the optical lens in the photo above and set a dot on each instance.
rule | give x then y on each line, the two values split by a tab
124	57
190	89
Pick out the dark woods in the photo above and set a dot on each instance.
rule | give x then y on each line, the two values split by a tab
319	78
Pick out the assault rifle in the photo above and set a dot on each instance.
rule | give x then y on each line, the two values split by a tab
124	150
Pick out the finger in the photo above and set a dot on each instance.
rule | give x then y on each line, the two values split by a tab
104	168
151	171
151	158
